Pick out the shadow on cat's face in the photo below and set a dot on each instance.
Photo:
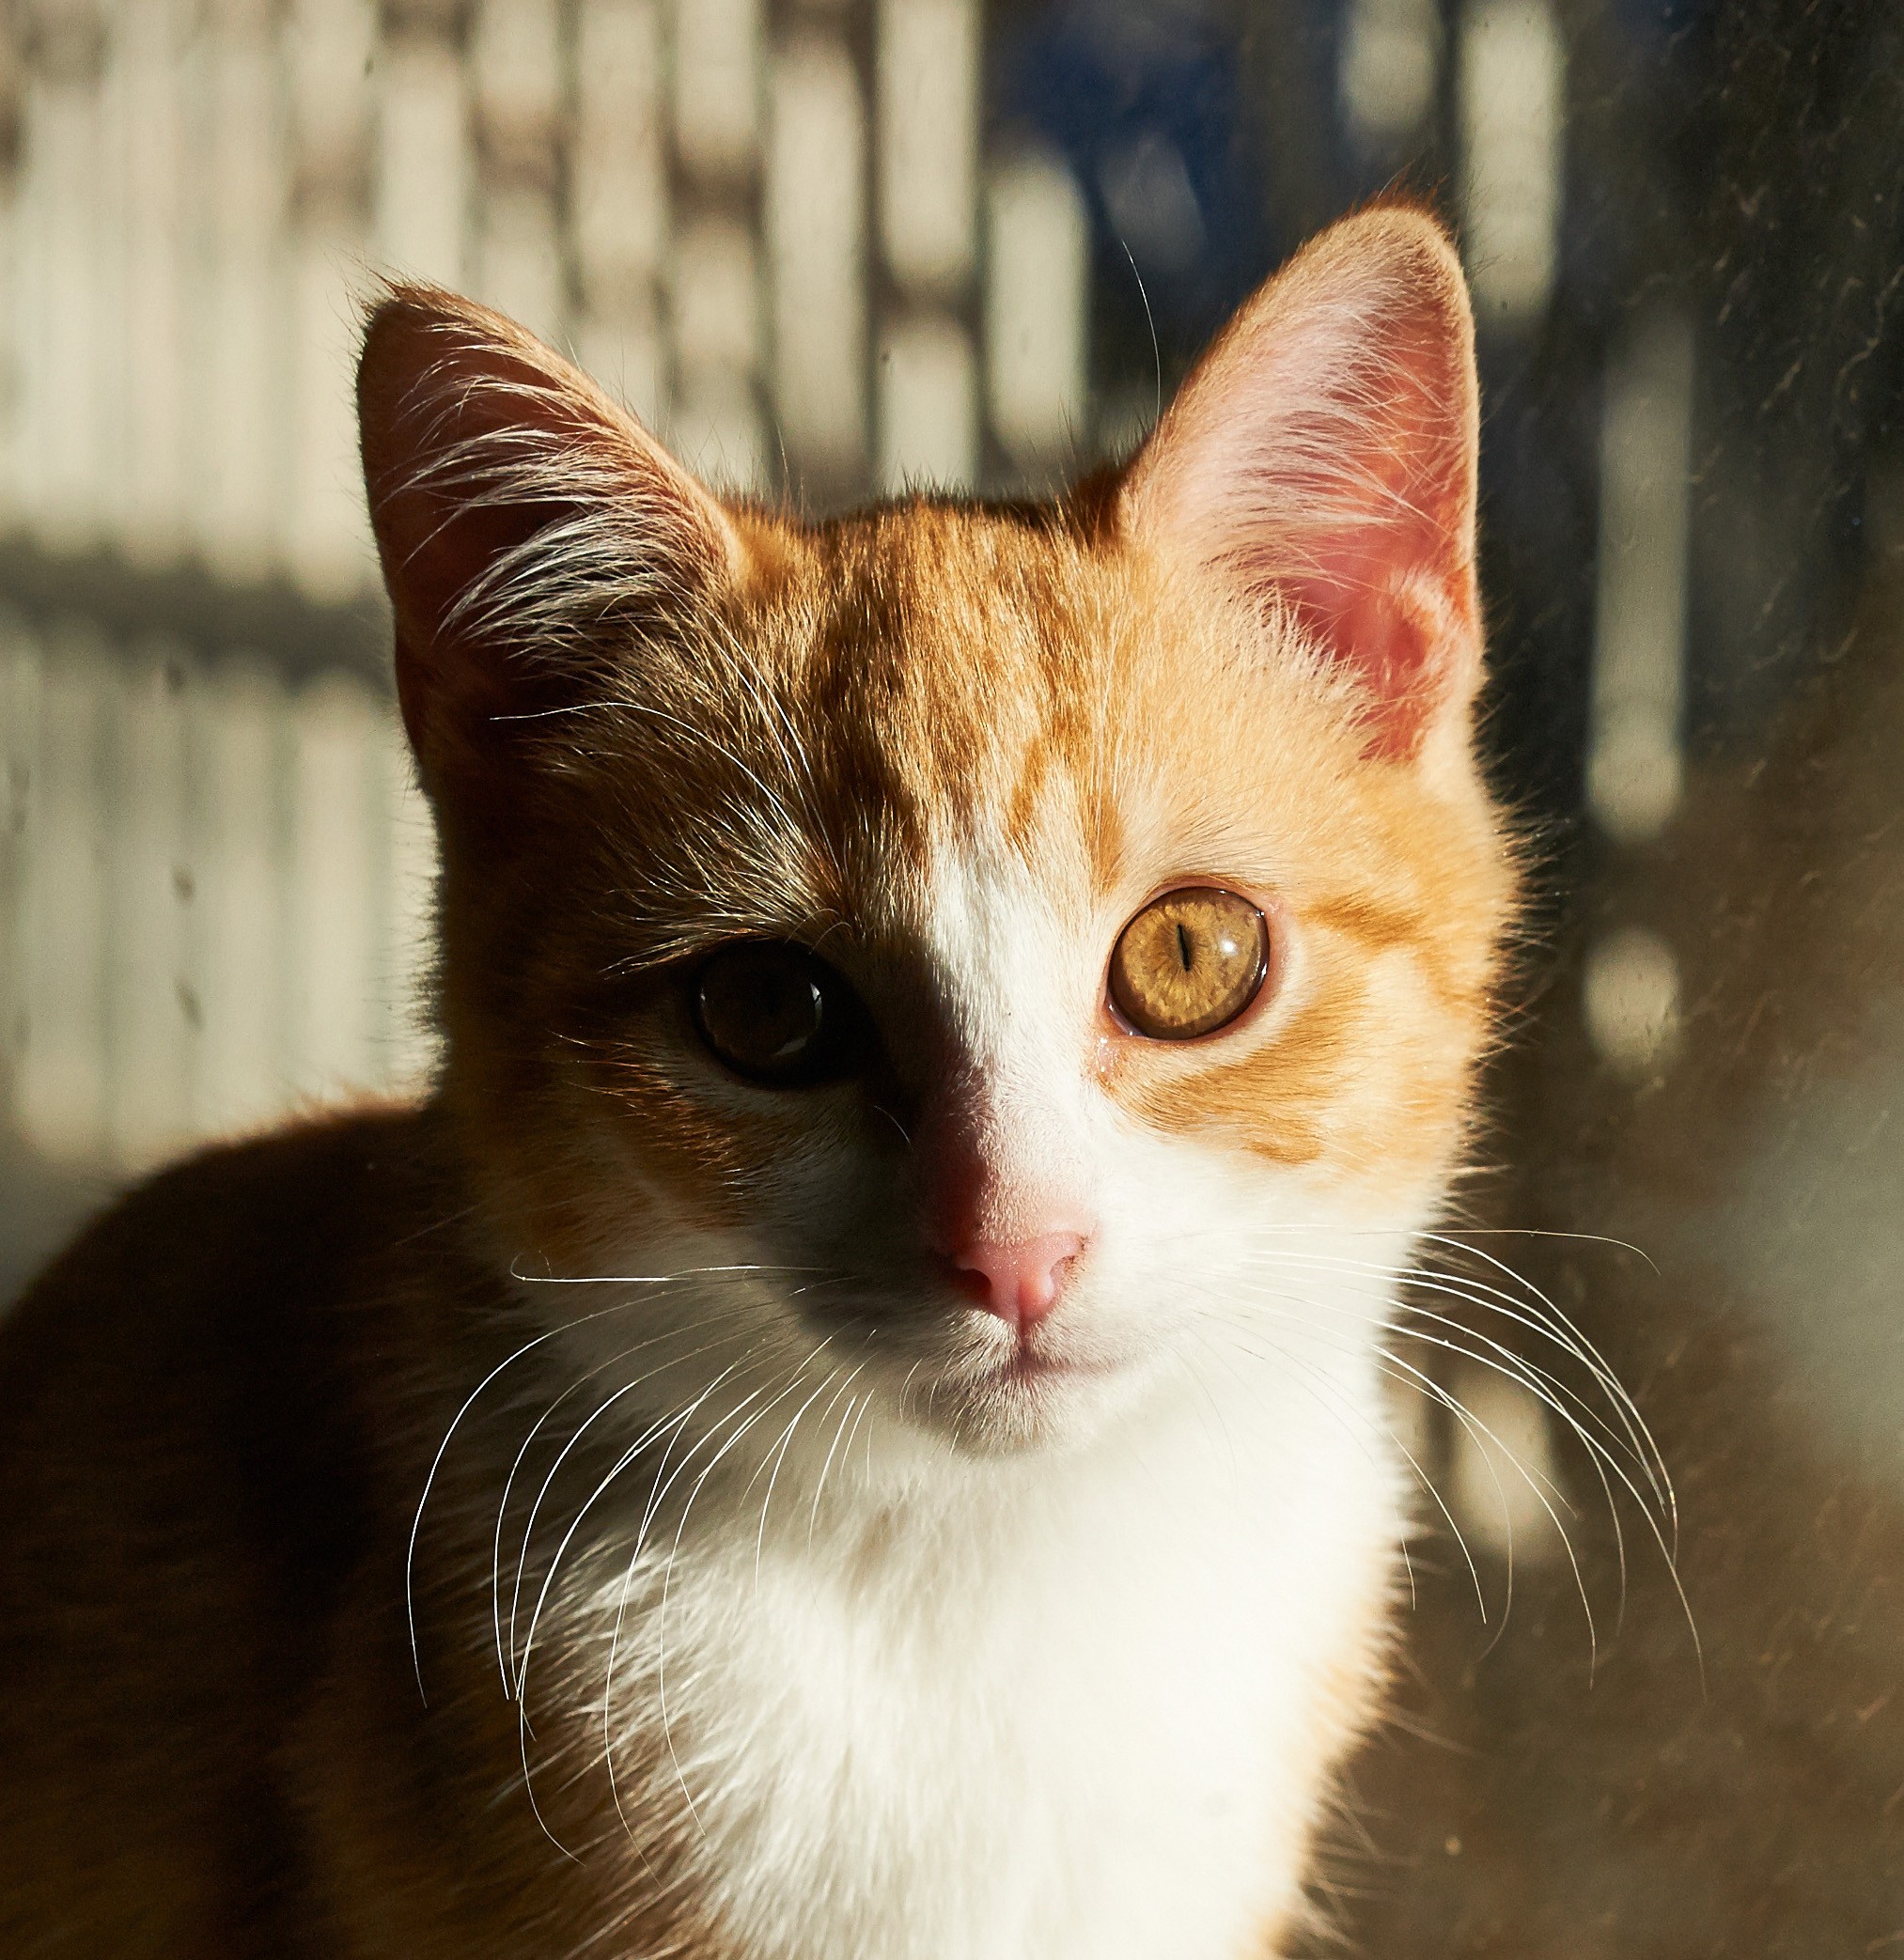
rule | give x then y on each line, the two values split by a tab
809	964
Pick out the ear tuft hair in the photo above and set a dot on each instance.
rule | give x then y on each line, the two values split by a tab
526	525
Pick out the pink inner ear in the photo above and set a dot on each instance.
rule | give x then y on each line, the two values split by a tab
1324	454
1393	598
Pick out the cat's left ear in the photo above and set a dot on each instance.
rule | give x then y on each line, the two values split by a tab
1322	455
530	531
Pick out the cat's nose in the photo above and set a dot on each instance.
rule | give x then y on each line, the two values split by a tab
1018	1279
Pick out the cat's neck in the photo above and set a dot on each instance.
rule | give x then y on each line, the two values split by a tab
1103	1661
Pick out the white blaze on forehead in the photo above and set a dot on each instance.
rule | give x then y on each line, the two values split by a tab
1020	975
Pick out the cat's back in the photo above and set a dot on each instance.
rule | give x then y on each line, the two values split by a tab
194	1400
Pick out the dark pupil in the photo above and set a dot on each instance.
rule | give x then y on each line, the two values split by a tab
761	1008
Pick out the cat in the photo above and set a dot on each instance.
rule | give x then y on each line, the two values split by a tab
851	1419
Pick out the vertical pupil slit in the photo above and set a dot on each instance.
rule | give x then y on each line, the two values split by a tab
1189	963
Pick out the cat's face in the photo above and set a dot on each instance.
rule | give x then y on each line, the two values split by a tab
996	950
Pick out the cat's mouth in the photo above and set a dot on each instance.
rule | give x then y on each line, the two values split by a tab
1027	1363
1052	1368
959	1371
1054	1389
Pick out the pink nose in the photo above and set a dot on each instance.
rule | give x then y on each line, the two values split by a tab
1018	1281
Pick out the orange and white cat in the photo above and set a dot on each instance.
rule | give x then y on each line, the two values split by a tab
850	1423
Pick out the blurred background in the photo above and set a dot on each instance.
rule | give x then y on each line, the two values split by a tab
831	248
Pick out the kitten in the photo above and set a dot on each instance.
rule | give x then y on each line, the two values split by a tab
850	1421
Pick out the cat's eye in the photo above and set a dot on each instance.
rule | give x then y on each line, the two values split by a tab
776	1014
1189	963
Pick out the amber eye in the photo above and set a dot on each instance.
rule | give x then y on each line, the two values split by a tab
1189	963
773	1013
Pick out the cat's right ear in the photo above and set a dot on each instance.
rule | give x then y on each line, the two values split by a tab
1320	460
528	527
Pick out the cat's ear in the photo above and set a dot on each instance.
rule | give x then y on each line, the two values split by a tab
1322	455
526	525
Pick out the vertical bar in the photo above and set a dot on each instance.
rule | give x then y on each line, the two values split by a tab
329	537
517	69
328	47
62	1081
816	241
619	200
59	308
13	138
148	894
1633	760
716	85
423	160
1504	1485
333	889
241	478
113	328
928	67
1630	997
1512	90
929	404
1036	281
715	294
713	274
1391	53
238	968
157	352
20	740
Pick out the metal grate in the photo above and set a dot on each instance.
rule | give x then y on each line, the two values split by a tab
761	223
765	224
784	231
219	882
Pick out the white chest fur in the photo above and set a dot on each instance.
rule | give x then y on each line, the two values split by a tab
1072	1707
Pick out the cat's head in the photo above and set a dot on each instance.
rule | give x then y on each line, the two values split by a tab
974	938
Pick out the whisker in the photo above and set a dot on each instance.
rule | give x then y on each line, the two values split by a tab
1478	1293
1557	1395
1551	1307
668	1579
812	1513
1428	1483
443	1450
1340	1413
646	1279
621	1604
1539	1381
675	1424
1475	1428
600	1368
567	1448
1598	1453
773	1476
845	1453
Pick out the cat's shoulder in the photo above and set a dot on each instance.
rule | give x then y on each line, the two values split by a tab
251	1261
254	1212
